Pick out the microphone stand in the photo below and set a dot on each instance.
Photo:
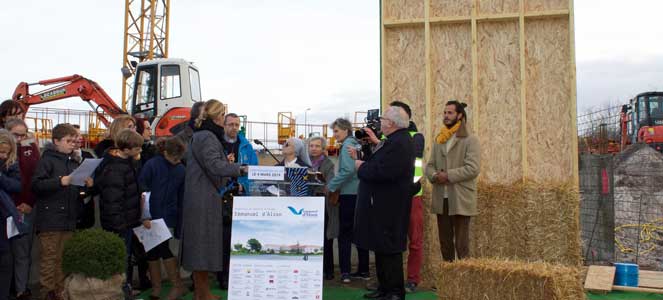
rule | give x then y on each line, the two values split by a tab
258	142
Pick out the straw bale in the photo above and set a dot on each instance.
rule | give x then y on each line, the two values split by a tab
489	279
451	67
487	7
403	9
450	8
546	5
550	135
499	102
553	223
530	221
405	70
499	229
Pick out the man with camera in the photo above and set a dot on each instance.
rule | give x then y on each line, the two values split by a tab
384	201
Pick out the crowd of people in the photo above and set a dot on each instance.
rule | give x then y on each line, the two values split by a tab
372	193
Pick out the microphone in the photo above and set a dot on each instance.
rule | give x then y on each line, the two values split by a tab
258	142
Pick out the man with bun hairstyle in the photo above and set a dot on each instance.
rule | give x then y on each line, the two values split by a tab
453	167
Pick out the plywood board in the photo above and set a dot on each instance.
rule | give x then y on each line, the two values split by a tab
548	105
403	9
545	5
451	65
450	8
404	69
650	279
600	278
493	7
499	102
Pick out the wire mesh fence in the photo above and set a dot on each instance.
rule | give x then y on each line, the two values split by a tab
622	207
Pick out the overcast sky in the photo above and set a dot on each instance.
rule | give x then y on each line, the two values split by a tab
263	56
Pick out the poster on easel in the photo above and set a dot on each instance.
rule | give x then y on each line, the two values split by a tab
277	248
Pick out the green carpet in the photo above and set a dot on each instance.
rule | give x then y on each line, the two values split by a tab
350	293
617	295
329	293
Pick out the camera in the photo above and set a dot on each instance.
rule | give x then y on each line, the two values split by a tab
372	122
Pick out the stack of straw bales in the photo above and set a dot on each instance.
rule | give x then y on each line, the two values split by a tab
495	279
525	221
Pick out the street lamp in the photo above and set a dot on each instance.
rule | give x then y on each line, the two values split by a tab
306	123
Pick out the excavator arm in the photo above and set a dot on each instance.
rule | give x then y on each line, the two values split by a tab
67	87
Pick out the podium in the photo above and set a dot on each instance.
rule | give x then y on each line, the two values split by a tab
278	237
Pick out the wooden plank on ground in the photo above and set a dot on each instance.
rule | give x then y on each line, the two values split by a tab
650	279
636	289
600	278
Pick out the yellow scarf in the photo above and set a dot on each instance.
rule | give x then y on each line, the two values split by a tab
446	133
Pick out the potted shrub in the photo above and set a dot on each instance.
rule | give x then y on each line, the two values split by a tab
94	262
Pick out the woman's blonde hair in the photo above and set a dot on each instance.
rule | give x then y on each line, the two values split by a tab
7	138
118	124
213	108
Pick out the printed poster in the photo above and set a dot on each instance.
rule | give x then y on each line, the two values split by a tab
276	248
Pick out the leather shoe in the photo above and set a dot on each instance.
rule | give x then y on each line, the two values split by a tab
374	295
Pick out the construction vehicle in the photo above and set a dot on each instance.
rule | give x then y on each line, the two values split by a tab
164	91
641	121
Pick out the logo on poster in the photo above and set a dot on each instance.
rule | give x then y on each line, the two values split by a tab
302	212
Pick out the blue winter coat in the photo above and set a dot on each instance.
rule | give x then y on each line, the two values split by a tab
247	156
165	181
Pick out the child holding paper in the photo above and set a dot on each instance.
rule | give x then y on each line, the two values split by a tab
117	184
163	177
57	205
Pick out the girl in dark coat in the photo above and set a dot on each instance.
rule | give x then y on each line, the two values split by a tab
163	177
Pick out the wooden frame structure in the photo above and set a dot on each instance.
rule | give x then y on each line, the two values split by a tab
512	61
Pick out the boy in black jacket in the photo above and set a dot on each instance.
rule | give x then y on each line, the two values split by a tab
58	205
117	183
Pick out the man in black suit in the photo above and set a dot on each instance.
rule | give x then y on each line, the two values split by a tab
384	201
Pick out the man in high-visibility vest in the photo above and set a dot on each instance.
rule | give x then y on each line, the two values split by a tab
416	227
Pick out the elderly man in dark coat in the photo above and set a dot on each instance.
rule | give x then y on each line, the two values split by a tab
383	203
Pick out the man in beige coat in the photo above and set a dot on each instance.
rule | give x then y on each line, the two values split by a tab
453	168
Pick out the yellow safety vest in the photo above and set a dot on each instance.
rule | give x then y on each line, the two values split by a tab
418	168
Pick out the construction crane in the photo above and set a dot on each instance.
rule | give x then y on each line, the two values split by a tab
146	25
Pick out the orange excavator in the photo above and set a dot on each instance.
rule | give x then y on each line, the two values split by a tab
642	121
70	86
164	91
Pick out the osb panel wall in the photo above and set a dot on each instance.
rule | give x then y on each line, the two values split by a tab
403	9
499	101
545	5
450	8
451	67
537	220
487	7
548	107
404	70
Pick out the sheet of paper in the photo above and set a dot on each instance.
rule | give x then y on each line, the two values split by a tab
157	234
85	170
272	189
12	230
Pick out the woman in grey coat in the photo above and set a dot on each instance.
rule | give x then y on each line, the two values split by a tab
207	171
